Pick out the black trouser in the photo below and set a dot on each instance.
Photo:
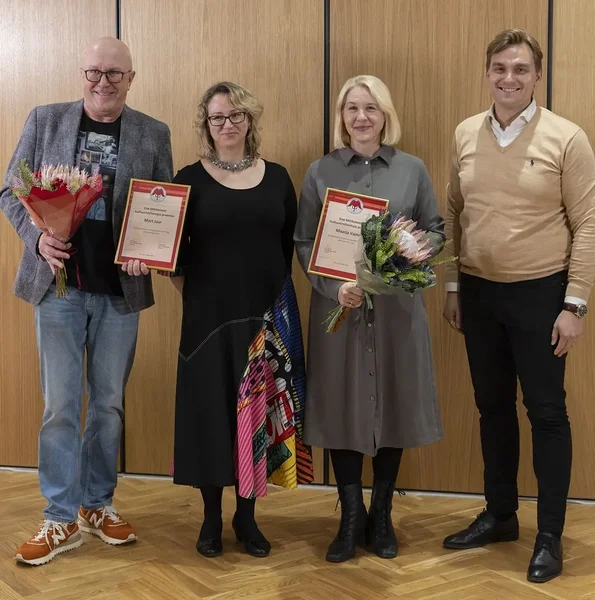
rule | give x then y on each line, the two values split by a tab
348	464
508	328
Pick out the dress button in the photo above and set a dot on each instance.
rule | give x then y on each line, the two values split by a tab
367	162
369	349
372	398
371	373
369	324
367	185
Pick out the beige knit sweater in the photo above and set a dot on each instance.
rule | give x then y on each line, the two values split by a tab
526	210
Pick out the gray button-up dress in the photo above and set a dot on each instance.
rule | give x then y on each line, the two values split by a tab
371	384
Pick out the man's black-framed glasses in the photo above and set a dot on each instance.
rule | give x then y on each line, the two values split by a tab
95	75
235	118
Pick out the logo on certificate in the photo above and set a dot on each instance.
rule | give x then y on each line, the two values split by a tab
158	194
355	206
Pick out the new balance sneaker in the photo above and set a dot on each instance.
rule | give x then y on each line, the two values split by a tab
52	539
107	524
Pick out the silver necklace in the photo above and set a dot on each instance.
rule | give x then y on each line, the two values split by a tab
239	166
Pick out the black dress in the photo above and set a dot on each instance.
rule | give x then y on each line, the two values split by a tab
236	257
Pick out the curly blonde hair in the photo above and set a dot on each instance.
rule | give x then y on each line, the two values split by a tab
240	98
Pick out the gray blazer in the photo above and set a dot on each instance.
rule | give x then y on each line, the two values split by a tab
49	136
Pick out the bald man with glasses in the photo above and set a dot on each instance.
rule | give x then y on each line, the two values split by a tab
99	317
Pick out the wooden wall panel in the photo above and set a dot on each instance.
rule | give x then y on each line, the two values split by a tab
41	45
573	97
180	47
431	54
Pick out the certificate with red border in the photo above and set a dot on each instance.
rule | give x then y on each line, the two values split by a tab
153	224
339	232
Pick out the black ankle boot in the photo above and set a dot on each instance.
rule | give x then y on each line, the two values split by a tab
352	529
380	533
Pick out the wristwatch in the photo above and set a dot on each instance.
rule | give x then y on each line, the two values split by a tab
578	310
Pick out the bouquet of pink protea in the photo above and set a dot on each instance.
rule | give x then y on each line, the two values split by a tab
57	199
394	256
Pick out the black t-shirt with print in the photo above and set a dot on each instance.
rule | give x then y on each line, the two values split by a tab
91	266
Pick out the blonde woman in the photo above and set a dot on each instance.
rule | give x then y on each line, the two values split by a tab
241	359
371	388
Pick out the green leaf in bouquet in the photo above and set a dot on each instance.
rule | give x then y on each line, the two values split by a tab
377	242
369	233
25	180
437	260
416	276
369	239
25	173
334	319
381	258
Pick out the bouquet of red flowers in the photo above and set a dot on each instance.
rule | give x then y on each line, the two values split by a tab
57	199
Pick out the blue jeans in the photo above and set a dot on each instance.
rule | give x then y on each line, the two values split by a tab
74	473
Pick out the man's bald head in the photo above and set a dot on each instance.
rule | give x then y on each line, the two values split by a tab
107	74
111	49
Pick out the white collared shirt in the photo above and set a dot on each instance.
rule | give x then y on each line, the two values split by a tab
505	137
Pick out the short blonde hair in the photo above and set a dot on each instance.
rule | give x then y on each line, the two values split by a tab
391	132
240	98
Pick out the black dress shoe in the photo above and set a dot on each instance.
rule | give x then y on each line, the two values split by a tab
209	548
254	542
209	542
486	529
546	562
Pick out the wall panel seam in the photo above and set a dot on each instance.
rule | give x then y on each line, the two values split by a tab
550	49
326	148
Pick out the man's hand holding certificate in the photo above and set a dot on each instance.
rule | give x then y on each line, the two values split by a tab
153	224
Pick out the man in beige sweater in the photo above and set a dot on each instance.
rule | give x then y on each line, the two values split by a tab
521	212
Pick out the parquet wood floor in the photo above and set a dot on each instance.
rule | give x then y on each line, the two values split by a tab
164	565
